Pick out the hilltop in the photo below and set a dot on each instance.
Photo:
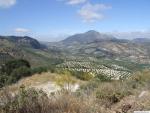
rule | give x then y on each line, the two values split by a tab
16	47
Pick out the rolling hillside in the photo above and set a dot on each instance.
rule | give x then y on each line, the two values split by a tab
90	52
26	48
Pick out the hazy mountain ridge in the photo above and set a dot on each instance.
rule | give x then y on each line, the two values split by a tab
22	41
99	44
141	40
89	44
26	48
86	37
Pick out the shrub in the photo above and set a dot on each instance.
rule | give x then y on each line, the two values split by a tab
92	84
3	80
112	92
35	101
14	64
19	73
82	75
14	70
39	70
141	77
103	78
65	80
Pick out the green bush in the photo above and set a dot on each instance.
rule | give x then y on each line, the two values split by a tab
14	64
103	78
19	73
39	70
3	80
13	70
82	75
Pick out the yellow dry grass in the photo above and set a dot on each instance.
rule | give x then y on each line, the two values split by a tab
37	79
34	80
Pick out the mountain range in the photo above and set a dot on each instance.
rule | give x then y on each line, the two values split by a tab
18	47
91	51
93	43
88	44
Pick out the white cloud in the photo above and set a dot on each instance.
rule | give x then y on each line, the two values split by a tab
74	2
21	30
92	12
7	3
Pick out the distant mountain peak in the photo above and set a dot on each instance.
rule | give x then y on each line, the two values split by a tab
141	40
93	31
88	37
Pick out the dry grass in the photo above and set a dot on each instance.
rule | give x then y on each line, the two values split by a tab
33	80
33	101
38	80
106	97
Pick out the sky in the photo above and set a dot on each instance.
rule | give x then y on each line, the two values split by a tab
53	20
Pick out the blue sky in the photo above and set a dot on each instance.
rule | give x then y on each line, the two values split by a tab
52	20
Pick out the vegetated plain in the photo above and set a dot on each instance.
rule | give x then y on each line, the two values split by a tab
85	73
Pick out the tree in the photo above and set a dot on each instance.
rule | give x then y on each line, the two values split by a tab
13	70
14	64
19	73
